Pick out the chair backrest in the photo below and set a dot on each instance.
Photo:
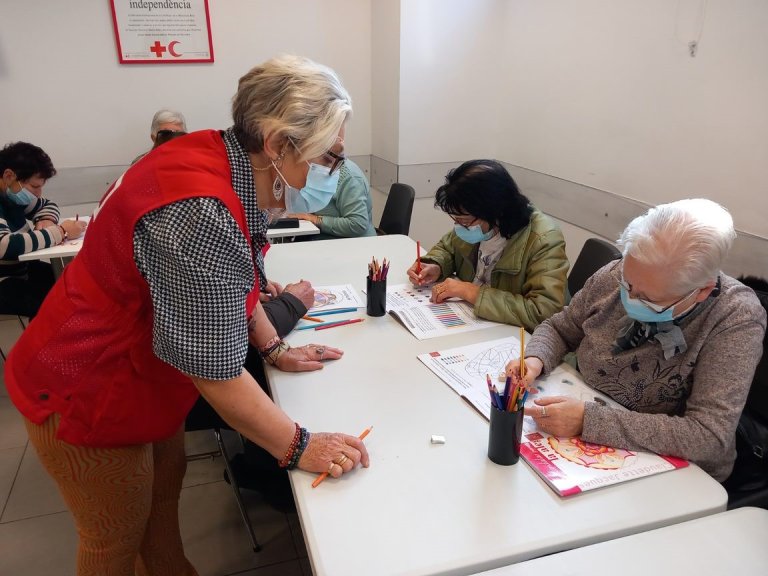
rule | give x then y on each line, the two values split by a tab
757	401
396	218
595	254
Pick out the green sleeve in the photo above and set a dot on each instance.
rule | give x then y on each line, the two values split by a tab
353	217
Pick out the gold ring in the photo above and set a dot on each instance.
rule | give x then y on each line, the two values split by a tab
330	467
343	459
543	411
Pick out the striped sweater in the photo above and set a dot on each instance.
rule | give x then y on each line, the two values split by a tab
17	237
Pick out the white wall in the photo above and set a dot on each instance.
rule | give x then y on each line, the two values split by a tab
62	88
605	94
385	82
449	85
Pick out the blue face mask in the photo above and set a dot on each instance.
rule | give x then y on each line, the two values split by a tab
473	234
22	198
640	312
317	192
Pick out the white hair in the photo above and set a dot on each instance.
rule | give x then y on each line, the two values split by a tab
687	239
292	98
167	116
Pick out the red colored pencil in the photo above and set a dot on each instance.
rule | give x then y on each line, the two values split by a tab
418	257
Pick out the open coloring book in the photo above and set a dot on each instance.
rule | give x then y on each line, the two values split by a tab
411	306
568	465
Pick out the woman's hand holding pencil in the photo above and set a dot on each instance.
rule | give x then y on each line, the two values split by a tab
429	273
334	454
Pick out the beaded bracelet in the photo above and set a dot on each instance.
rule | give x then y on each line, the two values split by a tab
296	448
299	449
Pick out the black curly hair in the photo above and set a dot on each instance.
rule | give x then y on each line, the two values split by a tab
484	189
26	160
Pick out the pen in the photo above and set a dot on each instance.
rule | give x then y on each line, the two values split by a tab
324	475
339	311
334	324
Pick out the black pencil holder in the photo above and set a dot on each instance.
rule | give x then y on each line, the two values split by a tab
504	436
376	297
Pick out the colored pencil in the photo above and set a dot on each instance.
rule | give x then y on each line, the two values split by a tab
327	312
342	323
311	318
522	353
324	475
418	257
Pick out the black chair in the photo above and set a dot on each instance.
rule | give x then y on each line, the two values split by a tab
21	322
204	417
396	218
595	254
748	483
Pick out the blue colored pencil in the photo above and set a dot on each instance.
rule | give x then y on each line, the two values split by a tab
327	312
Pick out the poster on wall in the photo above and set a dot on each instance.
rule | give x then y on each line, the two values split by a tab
162	31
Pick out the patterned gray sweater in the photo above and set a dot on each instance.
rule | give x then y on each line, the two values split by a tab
687	406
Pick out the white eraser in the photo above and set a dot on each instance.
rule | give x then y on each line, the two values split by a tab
435	439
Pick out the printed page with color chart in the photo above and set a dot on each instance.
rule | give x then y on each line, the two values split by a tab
424	319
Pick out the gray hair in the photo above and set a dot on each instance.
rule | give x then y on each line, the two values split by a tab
687	239
167	116
293	98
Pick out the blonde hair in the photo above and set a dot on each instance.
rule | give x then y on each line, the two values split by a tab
292	98
687	240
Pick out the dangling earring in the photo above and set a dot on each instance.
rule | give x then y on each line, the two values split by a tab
278	188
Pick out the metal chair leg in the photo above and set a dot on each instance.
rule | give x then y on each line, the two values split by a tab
236	490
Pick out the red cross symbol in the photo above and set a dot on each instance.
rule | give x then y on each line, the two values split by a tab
158	49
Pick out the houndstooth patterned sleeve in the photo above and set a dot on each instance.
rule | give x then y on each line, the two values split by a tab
199	269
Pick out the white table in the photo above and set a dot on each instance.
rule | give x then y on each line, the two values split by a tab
733	542
60	255
305	228
431	509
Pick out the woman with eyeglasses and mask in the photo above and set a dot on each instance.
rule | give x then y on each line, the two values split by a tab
503	256
159	307
665	333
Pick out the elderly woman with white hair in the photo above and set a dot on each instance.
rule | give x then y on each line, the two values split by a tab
665	333
160	305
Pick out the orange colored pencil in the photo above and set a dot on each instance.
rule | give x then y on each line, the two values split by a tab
522	353
324	475
312	319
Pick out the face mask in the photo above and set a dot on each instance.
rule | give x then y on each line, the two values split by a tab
317	192
23	197
473	234
638	311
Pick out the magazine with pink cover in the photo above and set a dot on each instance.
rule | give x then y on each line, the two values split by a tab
568	465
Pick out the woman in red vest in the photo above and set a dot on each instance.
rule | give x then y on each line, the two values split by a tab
160	305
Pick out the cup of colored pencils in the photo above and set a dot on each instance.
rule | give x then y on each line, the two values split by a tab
507	411
376	283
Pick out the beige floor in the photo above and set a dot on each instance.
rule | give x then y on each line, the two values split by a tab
37	536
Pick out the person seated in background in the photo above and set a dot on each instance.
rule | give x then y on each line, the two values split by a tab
503	255
349	214
23	285
166	125
665	333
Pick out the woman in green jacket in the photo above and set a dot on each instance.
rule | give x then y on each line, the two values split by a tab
503	256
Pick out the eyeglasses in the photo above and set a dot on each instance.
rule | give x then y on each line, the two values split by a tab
618	275
464	224
338	160
331	159
162	136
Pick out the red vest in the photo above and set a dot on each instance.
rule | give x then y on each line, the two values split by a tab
88	353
